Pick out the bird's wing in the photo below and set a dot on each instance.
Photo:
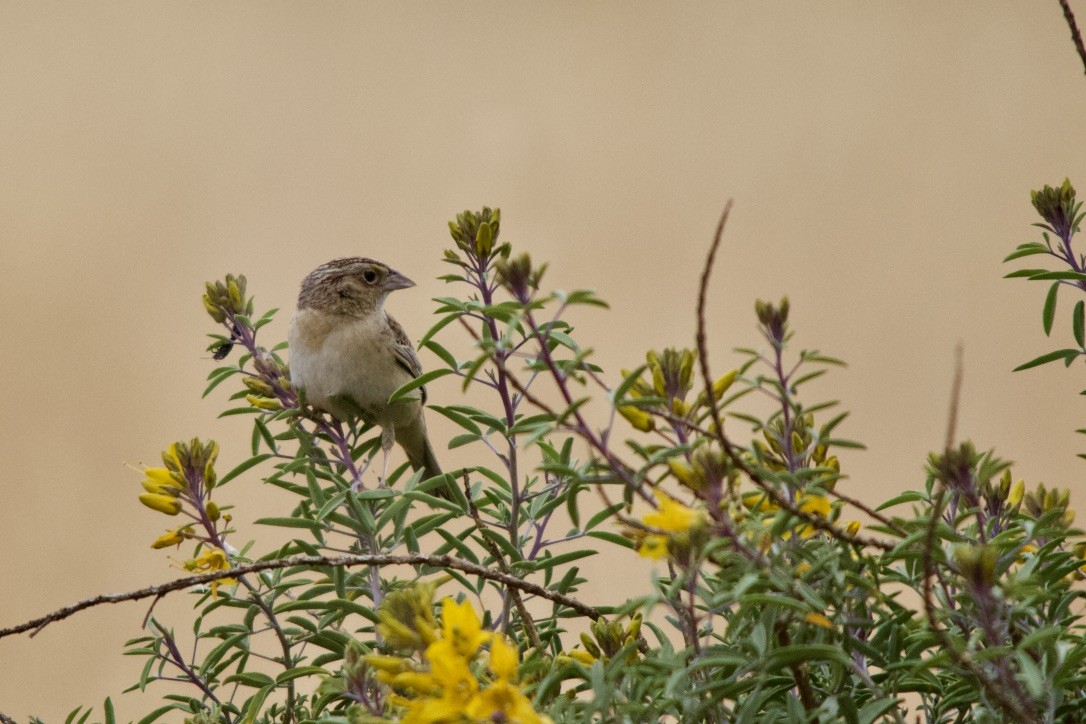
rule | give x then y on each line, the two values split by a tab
405	352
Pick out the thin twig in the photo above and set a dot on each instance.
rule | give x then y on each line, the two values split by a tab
1009	703
1076	36
955	397
414	559
4	719
815	521
868	510
526	619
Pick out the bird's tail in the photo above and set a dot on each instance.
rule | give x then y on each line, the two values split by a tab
420	453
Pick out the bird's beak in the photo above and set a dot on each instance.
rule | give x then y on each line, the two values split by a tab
395	281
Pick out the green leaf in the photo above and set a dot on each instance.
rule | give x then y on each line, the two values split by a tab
1026	250
1024	273
218	378
1049	312
417	383
153	716
251	462
911	496
111	717
291	523
1060	275
800	653
459	418
298	672
1079	323
254	679
441	352
542	564
615	538
255	704
441	324
603	515
1067	355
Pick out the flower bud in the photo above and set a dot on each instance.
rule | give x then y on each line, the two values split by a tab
723	383
590	646
234	292
683	473
258	386
637	417
484	240
157	488
976	563
162	503
213	310
582	657
264	403
212	511
388	664
168	540
1017	492
818	619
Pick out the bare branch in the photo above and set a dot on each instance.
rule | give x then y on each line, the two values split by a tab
308	561
955	398
1076	36
770	490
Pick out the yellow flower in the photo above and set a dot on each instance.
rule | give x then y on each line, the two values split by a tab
818	620
211	560
448	692
815	505
674	520
653	546
461	627
758	501
504	702
672	516
503	659
166	540
818	505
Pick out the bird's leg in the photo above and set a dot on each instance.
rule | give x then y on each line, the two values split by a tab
388	436
358	482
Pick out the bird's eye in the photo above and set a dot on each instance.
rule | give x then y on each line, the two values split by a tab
370	276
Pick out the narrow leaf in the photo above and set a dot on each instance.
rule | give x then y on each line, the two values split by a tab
1049	312
1064	354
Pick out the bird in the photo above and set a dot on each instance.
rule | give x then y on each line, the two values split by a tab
348	355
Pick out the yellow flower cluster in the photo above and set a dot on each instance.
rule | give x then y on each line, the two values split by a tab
188	476
811	503
672	372
447	689
674	521
607	639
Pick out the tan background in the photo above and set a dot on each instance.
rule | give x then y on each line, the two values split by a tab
880	154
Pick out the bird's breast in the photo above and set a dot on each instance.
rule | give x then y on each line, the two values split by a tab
333	358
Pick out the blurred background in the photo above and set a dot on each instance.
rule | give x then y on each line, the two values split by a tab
880	156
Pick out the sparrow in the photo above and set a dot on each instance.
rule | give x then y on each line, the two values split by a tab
348	355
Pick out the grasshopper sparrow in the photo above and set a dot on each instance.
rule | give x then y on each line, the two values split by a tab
348	355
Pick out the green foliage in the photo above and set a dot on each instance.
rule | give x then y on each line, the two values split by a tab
955	601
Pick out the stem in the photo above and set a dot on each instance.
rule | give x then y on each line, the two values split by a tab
179	661
347	561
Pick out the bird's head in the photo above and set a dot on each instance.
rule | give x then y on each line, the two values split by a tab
352	285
